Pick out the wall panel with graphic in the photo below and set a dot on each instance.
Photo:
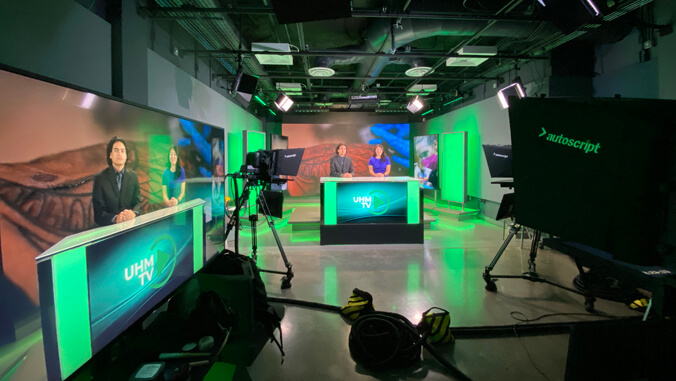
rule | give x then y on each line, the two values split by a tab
53	144
320	142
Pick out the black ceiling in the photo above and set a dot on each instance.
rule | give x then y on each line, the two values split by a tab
368	61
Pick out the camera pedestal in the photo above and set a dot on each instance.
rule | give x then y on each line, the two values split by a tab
531	274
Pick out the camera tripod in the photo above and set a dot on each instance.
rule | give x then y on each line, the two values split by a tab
249	182
531	274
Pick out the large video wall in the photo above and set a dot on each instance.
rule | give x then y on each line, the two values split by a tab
320	141
54	143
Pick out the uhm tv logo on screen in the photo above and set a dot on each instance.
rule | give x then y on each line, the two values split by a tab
377	202
162	256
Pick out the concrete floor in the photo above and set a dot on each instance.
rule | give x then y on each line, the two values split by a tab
445	272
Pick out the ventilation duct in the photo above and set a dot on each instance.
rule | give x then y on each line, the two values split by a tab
378	39
215	34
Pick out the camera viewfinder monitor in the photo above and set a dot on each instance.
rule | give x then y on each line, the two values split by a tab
499	160
287	161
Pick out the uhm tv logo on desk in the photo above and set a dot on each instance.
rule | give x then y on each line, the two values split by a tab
162	257
377	202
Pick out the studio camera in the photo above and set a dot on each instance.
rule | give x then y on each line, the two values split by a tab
269	165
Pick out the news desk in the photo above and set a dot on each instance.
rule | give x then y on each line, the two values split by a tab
95	284
370	210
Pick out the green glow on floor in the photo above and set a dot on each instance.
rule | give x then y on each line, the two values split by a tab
330	286
451	270
14	352
413	283
465	226
262	227
297	237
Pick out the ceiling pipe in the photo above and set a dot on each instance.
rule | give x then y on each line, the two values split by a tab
215	34
165	13
379	38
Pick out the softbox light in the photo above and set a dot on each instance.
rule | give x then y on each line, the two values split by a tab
283	102
415	105
513	90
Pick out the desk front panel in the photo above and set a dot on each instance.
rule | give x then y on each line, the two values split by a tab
371	202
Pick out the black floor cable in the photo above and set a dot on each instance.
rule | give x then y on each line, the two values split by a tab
526	327
397	326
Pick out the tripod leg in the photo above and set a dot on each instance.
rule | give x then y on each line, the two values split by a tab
589	298
533	254
235	219
490	283
286	280
253	218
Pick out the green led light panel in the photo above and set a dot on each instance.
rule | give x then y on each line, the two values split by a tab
253	141
413	202
330	205
453	166
71	305
198	237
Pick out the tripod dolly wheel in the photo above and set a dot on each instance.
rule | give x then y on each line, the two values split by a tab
286	283
589	304
490	283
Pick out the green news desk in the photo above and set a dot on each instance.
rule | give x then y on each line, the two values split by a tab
370	210
96	284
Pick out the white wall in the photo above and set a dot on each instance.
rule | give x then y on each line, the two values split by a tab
59	39
175	91
486	123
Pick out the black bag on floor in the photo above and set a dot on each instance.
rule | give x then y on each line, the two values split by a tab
237	278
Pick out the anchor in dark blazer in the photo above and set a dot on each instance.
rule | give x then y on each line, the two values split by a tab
113	205
341	165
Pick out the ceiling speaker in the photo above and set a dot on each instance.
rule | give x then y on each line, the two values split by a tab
293	11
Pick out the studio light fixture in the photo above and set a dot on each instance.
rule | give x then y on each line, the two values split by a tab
283	102
514	89
591	8
415	105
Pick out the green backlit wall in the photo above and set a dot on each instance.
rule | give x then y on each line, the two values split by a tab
485	123
453	166
253	141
